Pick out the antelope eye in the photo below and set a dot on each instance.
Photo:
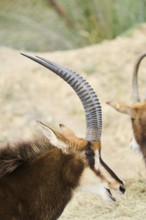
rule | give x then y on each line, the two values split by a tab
133	119
89	153
90	157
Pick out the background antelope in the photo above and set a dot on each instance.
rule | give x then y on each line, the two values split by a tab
38	177
137	112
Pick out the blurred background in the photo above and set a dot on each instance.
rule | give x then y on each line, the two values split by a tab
48	25
101	40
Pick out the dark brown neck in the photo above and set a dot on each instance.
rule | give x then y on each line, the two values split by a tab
140	136
41	188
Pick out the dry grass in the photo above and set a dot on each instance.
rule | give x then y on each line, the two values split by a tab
128	207
30	92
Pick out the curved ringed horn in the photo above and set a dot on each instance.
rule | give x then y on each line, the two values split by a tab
84	91
135	89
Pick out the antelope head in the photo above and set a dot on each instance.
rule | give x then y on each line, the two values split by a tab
136	111
96	177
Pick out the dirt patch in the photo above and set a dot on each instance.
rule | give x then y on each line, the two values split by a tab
29	92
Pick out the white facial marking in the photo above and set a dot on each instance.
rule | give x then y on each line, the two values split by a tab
134	145
97	162
90	182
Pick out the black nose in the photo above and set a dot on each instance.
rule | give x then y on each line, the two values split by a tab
122	189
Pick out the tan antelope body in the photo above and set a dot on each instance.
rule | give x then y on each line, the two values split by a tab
39	177
137	112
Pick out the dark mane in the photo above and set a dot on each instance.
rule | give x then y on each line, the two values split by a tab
14	155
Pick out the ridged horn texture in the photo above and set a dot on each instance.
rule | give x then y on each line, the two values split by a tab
135	89
84	91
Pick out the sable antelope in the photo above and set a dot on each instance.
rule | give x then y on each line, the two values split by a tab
38	177
137	112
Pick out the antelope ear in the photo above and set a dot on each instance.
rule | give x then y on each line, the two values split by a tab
66	131
123	108
55	138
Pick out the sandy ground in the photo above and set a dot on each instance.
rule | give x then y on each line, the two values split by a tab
29	92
